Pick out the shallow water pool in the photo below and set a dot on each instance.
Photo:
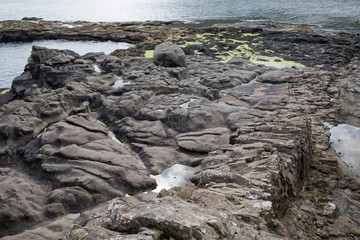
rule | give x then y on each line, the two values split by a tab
346	141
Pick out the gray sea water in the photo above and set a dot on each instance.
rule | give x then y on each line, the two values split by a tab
323	14
329	14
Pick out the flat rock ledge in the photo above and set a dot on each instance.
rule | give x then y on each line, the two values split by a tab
203	141
79	147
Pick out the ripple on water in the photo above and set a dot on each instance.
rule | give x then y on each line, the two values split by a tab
176	176
346	141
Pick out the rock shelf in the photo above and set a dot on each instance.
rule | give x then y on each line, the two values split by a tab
78	149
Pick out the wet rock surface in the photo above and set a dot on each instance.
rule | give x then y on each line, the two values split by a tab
79	146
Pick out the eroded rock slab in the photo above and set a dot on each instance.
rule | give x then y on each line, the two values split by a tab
204	141
91	166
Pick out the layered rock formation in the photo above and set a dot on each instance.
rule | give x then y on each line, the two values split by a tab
78	147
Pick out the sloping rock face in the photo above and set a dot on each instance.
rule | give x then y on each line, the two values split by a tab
79	147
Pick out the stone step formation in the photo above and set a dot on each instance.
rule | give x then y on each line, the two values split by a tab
78	150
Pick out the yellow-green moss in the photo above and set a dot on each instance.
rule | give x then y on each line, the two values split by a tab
149	53
246	44
5	91
276	62
250	34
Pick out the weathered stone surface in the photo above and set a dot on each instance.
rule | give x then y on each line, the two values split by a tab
157	159
52	231
117	107
91	167
275	77
169	55
149	132
112	64
22	201
204	141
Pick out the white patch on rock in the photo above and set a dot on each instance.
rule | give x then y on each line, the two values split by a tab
113	206
68	26
186	105
120	83
113	137
97	69
73	216
329	209
253	196
176	176
263	205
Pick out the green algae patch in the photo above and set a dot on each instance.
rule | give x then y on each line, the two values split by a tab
276	62
226	44
149	53
5	91
250	34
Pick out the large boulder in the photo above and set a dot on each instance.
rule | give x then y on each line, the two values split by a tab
169	55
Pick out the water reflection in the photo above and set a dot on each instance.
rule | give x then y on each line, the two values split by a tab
176	176
346	141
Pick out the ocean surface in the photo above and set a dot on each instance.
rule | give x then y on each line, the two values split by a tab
328	14
322	14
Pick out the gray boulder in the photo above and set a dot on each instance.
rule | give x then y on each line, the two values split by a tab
169	55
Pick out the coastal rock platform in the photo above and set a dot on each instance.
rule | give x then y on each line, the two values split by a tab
83	136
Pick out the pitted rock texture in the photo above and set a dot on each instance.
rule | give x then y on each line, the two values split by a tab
80	138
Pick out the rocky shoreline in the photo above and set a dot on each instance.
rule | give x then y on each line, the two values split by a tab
129	32
82	136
